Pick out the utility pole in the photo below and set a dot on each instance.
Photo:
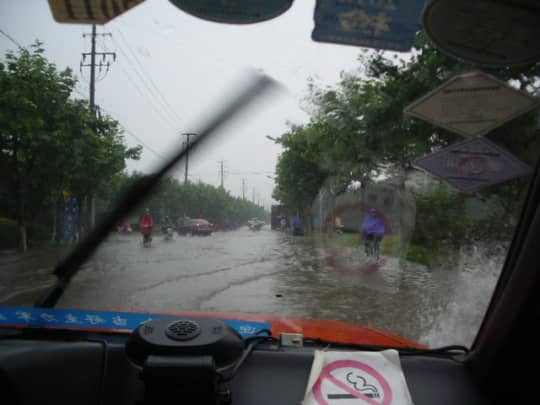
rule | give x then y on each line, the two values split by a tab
243	189
221	171
187	135
104	63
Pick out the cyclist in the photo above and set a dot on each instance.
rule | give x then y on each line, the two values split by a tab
372	228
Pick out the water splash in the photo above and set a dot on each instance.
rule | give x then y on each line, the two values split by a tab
457	320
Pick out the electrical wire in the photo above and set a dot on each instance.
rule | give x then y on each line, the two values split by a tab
126	129
228	373
149	77
137	138
146	78
159	111
10	38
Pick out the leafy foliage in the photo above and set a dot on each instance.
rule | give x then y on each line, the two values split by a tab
175	199
48	141
358	132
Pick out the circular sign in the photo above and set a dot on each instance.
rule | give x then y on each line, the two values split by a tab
473	165
485	32
351	379
234	12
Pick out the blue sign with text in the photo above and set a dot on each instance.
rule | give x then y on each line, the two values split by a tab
381	24
71	318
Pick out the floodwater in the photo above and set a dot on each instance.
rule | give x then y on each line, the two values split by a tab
268	272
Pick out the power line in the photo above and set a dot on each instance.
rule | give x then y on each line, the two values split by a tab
149	77
11	39
157	109
171	110
124	128
250	173
136	137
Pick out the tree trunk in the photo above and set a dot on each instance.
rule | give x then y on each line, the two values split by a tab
23	243
22	237
92	221
53	231
82	217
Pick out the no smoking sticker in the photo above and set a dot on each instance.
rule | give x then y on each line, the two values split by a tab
357	378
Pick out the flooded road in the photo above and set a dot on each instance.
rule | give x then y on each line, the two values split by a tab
267	272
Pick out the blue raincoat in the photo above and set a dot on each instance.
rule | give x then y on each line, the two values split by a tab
373	225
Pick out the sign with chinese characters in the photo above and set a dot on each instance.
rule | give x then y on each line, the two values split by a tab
87	319
472	104
381	24
89	11
69	218
473	164
234	11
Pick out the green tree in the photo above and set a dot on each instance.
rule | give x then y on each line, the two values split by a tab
176	199
49	142
299	174
357	131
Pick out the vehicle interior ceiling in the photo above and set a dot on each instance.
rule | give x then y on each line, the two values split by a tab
68	366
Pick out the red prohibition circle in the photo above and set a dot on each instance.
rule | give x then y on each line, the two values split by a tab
326	374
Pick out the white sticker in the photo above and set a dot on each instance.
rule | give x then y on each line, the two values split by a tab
345	378
472	104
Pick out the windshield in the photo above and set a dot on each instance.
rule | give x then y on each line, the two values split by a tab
343	197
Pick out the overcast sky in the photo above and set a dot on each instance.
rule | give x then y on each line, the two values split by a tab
192	63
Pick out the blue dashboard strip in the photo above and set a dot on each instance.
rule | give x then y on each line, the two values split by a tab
75	318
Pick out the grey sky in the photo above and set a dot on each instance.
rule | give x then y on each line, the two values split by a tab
192	62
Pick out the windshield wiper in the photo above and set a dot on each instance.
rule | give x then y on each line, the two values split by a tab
68	267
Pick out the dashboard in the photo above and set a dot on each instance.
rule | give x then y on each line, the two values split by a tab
94	368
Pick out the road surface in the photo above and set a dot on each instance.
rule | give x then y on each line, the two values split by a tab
266	272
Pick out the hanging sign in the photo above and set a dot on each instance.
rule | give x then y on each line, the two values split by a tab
473	164
486	32
383	24
89	11
234	11
472	104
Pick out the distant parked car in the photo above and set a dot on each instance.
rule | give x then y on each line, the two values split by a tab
201	227
184	225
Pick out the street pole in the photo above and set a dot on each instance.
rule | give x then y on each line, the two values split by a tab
92	90
93	71
93	110
243	189
187	156
221	171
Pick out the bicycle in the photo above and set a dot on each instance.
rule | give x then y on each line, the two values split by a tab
372	245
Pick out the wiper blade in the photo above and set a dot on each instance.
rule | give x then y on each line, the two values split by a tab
68	267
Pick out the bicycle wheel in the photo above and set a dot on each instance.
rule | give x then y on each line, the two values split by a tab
370	248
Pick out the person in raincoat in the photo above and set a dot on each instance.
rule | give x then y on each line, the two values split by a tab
372	227
298	226
146	225
282	223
